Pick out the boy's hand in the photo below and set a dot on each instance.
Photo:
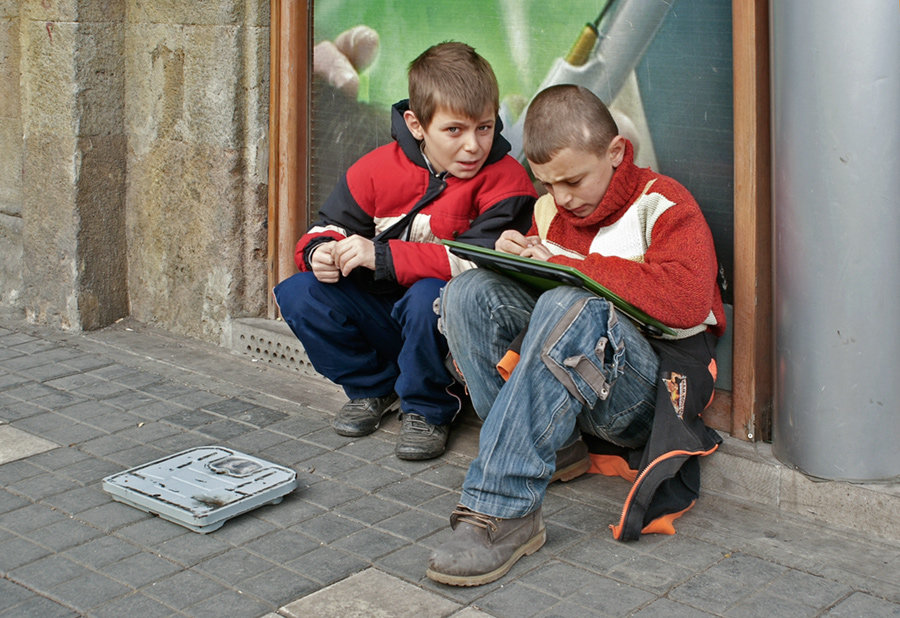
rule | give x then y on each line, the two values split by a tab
537	252
353	252
322	264
512	241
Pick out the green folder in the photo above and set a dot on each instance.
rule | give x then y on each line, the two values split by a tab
546	275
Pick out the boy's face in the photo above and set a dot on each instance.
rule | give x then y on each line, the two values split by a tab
578	179
455	143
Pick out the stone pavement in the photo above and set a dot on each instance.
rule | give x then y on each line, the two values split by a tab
353	538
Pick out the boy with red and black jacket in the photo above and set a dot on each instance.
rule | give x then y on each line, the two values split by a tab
372	266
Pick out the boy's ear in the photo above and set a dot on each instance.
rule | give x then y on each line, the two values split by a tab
616	150
413	124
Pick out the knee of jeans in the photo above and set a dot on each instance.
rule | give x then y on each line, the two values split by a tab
556	301
459	293
576	348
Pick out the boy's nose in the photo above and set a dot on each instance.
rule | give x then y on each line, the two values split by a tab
471	142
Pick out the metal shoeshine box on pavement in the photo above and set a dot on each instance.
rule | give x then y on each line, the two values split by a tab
203	487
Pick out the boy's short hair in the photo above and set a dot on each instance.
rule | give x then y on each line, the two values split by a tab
566	116
453	76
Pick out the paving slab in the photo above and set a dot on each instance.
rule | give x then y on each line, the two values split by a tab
17	444
370	594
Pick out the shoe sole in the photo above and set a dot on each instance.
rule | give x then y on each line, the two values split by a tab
534	544
354	434
572	471
419	456
393	407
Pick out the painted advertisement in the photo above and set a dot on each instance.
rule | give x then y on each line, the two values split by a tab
663	67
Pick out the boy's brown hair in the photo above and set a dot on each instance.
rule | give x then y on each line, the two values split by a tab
453	76
566	116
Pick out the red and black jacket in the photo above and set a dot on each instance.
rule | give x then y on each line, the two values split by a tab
390	181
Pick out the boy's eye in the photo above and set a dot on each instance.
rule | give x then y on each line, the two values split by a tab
452	130
485	128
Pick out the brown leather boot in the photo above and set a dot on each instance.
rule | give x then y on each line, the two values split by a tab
482	549
571	462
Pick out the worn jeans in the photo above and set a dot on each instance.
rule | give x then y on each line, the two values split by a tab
373	344
583	366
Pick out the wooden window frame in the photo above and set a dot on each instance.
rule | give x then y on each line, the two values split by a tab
290	50
745	411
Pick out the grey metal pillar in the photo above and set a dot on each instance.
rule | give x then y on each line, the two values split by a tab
836	183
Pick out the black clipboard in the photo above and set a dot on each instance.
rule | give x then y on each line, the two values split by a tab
546	275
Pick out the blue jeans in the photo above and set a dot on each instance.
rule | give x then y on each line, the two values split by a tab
373	344
583	367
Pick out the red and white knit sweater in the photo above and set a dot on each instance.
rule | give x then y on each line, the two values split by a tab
648	242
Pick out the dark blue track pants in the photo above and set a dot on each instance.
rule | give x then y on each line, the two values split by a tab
371	344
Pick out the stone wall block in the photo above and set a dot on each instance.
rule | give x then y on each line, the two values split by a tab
49	10
255	84
182	83
255	88
9	66
10	162
49	121
49	233
183	226
10	264
73	10
100	79
102	11
196	198
213	100
48	78
154	83
259	13
9	9
74	258
221	12
10	167
134	147
10	115
102	250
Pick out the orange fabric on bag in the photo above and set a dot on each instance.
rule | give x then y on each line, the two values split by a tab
507	364
666	523
611	465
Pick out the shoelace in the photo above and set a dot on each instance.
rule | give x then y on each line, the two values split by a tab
466	514
414	422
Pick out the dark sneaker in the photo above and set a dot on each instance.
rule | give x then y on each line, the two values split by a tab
571	462
482	549
360	417
419	439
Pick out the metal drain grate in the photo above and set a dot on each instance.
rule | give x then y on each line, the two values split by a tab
271	342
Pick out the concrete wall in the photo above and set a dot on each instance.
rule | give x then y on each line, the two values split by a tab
138	130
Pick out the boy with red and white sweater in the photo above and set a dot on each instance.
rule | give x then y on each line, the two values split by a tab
583	366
